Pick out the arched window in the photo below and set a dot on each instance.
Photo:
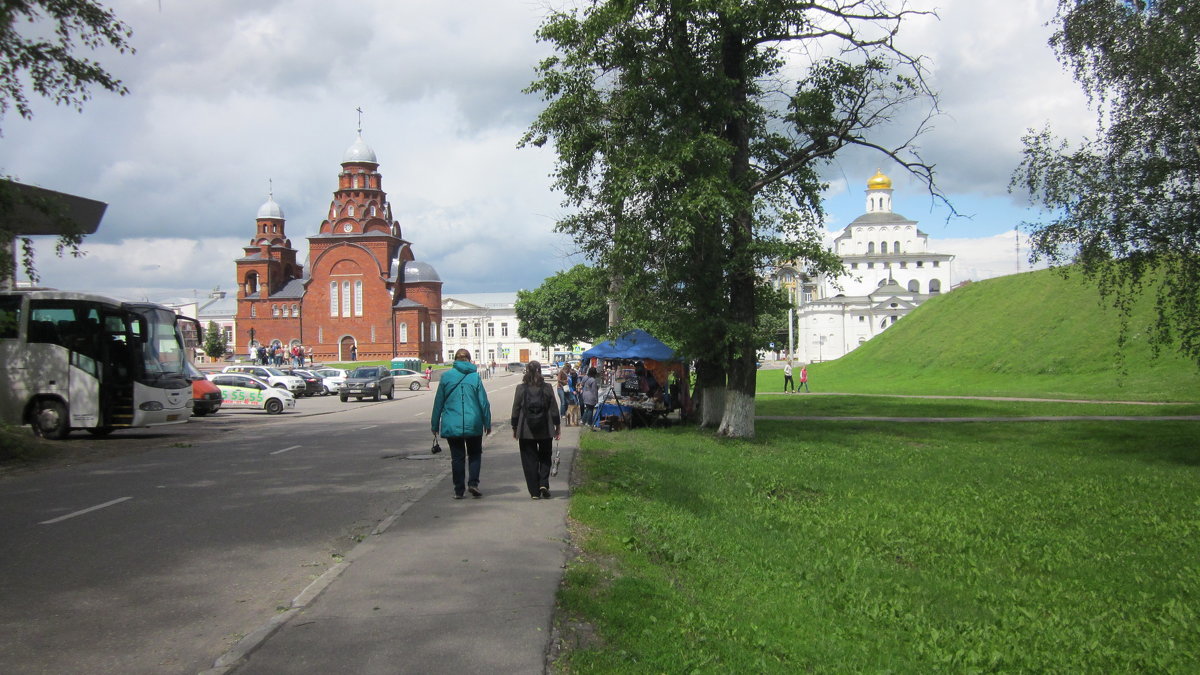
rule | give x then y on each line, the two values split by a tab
295	310
432	331
870	248
350	211
422	327
346	307
403	332
372	209
251	283
883	247
895	247
914	286
358	298
253	311
275	310
355	185
333	298
935	286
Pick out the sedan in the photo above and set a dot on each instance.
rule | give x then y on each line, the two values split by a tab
367	381
206	397
332	378
403	377
239	390
313	383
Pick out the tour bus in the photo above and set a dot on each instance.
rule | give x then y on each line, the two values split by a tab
82	361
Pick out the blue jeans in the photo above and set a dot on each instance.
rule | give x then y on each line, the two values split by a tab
466	454
587	413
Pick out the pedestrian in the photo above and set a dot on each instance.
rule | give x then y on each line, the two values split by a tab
353	352
300	355
536	424
804	378
428	377
787	377
589	394
564	390
462	414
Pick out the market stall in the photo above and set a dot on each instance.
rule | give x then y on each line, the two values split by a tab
642	381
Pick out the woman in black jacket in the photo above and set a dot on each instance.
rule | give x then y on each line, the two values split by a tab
535	425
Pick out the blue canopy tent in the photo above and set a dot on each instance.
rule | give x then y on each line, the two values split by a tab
635	345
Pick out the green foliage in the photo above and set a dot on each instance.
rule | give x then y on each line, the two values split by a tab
568	307
214	341
689	138
50	65
1034	334
1026	547
1125	205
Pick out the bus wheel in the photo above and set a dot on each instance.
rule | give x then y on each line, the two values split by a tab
50	419
100	431
274	406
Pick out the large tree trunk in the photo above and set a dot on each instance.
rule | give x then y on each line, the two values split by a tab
710	393
737	421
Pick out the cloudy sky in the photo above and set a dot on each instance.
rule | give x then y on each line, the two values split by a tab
229	99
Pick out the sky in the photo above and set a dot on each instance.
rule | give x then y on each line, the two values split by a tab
231	101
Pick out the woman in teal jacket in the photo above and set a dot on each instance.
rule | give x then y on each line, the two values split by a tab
461	414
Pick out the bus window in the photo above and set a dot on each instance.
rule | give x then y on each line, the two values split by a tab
10	316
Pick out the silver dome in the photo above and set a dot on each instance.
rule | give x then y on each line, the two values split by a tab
270	209
359	152
418	271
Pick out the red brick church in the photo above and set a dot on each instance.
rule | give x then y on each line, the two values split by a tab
362	288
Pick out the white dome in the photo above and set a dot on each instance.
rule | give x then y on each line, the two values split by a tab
359	152
270	209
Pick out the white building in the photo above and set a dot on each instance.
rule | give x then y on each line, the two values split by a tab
486	324
889	270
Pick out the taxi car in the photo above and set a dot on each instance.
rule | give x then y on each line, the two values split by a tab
246	392
403	377
272	376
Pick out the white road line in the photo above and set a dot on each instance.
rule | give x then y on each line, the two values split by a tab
280	452
419	414
87	510
370	427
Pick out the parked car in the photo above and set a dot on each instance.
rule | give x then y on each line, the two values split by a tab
549	370
403	377
312	382
367	381
206	396
239	390
516	367
332	378
272	376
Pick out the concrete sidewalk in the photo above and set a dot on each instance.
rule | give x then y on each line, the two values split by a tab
446	585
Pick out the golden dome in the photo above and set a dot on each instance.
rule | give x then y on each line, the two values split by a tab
879	181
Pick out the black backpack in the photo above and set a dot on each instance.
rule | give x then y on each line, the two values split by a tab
537	420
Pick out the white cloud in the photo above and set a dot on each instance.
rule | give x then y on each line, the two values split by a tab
227	94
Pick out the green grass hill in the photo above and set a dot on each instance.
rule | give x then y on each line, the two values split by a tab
1033	334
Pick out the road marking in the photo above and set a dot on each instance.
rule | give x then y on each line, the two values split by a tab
370	427
87	510
280	452
419	414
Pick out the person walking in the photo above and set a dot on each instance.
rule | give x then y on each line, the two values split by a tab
462	414
353	352
564	390
536	424
804	378
589	395
787	377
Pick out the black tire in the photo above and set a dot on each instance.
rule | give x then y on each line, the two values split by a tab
273	406
391	394
100	431
199	412
50	419
414	386
343	397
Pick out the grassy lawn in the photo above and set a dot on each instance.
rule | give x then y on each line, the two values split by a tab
866	547
817	405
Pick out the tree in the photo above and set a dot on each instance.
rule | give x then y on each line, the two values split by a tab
214	341
568	307
1124	207
690	137
51	67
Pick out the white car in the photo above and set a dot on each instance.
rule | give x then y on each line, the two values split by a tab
272	376
332	378
408	379
241	391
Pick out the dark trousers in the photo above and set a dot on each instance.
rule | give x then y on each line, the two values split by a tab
536	455
787	379
466	454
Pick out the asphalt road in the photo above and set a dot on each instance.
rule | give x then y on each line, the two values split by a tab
160	560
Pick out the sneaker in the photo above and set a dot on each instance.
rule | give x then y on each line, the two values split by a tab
534	497
458	496
545	493
474	491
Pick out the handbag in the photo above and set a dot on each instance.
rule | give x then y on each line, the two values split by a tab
436	448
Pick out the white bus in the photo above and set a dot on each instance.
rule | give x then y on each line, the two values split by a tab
83	361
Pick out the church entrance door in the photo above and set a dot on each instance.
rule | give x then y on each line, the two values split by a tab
344	348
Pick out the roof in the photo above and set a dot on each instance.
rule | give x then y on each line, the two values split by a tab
292	289
486	300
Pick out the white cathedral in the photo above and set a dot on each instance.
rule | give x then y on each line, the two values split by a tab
889	270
